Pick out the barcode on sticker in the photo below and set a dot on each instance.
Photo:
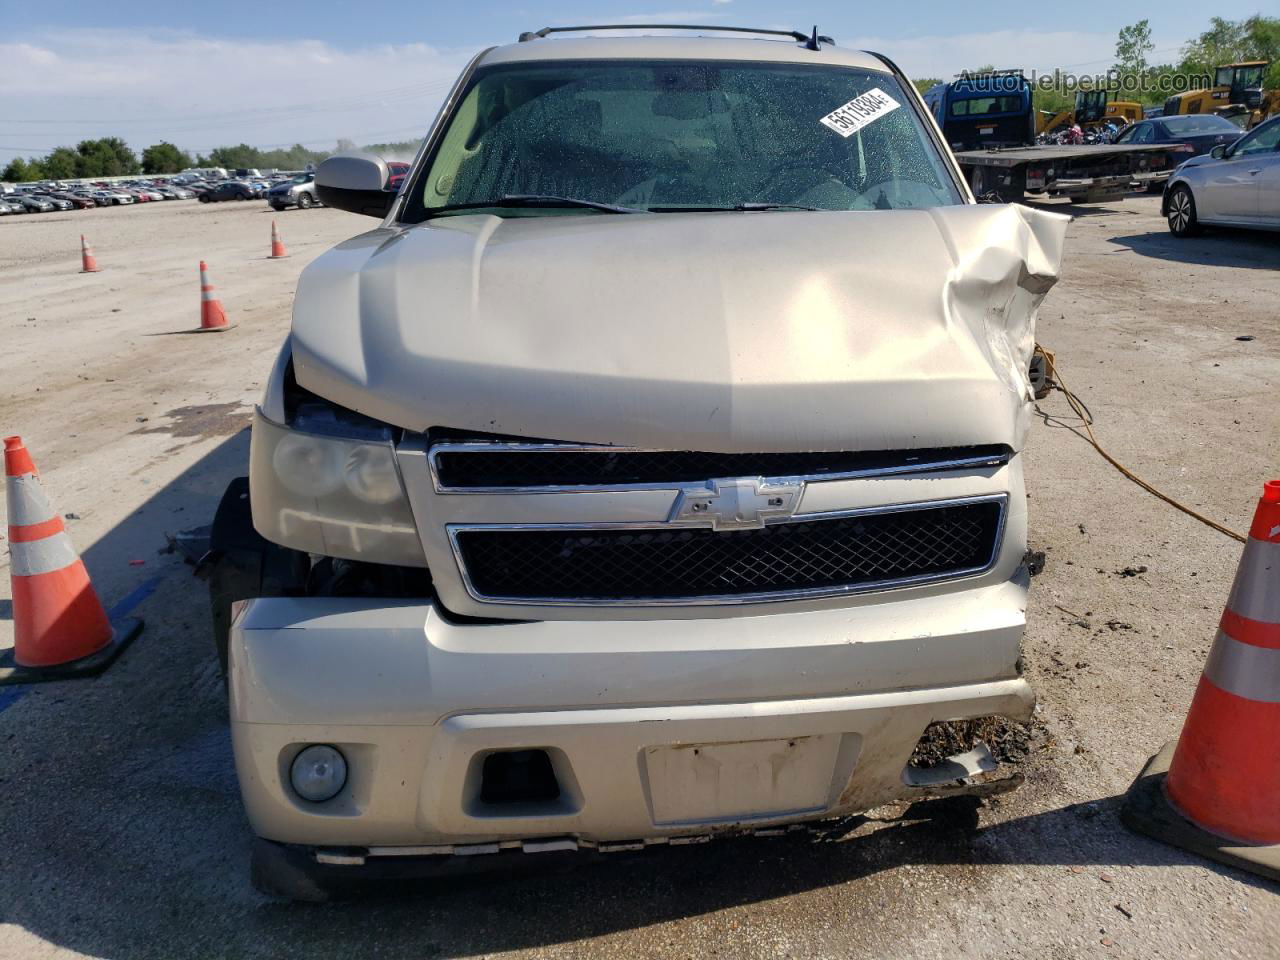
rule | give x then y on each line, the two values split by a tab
860	111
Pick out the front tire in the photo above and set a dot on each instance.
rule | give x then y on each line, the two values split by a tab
304	201
1182	212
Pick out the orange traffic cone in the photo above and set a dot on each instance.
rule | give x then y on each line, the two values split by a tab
277	245
87	263
59	627
213	319
1217	791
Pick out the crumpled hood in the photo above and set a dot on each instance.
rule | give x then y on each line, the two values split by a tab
751	332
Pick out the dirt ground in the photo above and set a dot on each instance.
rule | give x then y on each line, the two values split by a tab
121	833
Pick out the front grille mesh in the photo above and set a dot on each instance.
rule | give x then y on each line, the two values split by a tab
514	467
686	564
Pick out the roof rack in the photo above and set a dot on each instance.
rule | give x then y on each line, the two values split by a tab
811	41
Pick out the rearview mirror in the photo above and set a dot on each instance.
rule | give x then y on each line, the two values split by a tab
1219	151
355	182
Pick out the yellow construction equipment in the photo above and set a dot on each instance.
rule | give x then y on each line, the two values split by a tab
1092	108
1236	94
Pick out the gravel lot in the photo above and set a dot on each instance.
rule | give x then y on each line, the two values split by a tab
121	833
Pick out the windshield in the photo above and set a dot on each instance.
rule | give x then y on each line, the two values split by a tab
977	106
1247	77
668	134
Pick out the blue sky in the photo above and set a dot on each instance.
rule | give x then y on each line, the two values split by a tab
273	74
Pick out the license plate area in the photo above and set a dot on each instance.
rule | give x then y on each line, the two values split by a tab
702	783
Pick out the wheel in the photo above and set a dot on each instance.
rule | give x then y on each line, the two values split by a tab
242	564
205	198
1182	212
304	201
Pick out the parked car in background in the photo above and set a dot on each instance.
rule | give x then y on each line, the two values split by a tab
1200	132
33	203
75	199
399	170
7	208
227	190
300	192
57	202
1236	185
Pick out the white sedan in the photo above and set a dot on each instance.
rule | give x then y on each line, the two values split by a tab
1232	186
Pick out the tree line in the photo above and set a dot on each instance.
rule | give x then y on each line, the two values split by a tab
112	157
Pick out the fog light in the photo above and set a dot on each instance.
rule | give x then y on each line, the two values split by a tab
318	773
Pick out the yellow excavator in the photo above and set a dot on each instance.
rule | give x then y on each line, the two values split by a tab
1092	108
1236	94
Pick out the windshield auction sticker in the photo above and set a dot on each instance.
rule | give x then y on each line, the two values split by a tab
860	111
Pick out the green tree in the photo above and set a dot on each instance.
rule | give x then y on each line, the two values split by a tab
241	155
1230	41
1132	46
107	157
164	157
924	84
61	164
22	171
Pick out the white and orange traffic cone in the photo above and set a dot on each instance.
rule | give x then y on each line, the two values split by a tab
277	245
213	319
60	629
1217	790
87	262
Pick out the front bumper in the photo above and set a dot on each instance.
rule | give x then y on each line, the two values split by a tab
656	729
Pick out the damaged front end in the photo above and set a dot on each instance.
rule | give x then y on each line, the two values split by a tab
650	550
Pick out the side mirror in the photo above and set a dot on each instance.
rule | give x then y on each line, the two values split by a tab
1219	151
355	182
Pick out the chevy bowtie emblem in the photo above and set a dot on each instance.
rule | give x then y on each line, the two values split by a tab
744	503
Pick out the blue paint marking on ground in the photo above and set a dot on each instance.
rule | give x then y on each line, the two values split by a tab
139	593
9	696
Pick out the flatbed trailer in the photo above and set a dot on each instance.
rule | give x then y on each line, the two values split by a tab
1092	173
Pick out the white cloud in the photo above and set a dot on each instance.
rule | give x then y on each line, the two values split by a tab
200	91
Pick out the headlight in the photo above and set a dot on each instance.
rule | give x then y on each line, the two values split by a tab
309	466
336	496
370	473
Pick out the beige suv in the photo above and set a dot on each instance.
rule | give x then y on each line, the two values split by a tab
650	471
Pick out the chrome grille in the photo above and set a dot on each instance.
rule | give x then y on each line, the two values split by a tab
531	467
656	563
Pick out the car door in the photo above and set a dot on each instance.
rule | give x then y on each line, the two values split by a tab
1266	158
1232	186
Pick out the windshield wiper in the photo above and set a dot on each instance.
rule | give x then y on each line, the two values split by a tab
533	200
737	208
